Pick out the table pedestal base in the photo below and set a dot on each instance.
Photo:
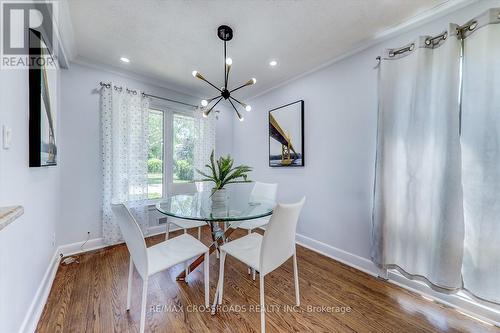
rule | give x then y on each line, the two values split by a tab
218	237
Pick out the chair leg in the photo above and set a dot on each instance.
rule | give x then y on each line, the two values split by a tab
143	304
221	275
249	269
129	286
262	305
206	269
296	279
199	233
167	232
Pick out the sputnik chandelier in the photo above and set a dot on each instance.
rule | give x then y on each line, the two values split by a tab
225	33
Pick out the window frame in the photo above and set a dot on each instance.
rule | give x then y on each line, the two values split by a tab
168	185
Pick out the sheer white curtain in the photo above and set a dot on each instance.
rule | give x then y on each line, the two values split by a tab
481	157
205	140
418	216
124	121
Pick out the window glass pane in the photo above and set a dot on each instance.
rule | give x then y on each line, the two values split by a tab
155	155
183	148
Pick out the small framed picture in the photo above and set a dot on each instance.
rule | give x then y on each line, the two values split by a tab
42	103
286	135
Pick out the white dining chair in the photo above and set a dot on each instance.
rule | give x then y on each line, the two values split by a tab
266	253
188	188
260	192
151	260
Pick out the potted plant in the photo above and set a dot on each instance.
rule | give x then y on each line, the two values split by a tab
222	173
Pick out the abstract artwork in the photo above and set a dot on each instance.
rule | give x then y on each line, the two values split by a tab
42	102
286	135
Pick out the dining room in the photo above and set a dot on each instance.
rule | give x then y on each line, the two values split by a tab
249	166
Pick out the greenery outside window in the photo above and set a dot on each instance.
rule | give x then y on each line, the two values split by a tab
183	142
156	163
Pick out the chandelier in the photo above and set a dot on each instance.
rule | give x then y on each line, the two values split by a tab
225	33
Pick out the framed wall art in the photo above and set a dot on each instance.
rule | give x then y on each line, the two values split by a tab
286	135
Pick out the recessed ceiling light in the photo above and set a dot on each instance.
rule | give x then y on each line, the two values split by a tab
127	60
273	63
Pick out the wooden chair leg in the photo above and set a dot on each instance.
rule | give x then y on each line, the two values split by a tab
206	269
262	305
296	279
143	305
129	286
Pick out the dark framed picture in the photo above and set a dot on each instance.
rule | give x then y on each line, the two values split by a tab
286	135
42	103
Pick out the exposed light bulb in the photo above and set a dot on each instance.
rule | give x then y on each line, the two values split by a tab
241	118
204	102
194	73
127	60
273	63
205	114
248	108
254	80
229	61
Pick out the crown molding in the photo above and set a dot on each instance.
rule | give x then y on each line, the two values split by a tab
133	76
420	19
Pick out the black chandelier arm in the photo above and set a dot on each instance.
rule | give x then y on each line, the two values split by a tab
211	99
241	103
234	107
203	79
248	83
213	106
243	85
226	72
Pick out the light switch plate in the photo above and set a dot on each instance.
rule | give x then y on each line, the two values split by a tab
6	137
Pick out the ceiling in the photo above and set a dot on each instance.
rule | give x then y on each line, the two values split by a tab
167	40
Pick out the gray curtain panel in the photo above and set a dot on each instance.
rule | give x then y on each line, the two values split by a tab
418	223
481	157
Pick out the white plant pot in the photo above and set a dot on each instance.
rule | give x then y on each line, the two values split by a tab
220	197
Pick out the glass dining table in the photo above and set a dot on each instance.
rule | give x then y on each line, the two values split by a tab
200	207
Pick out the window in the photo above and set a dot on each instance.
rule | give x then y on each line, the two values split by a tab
183	142
155	154
169	169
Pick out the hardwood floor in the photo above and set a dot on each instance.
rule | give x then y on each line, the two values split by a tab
90	296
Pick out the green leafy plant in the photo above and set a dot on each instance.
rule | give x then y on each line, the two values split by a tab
223	172
155	165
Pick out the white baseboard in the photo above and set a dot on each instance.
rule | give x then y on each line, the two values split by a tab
98	243
81	247
337	254
36	307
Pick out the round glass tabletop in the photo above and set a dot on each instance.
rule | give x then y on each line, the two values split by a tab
199	206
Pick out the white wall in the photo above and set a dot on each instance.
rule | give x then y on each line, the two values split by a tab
340	135
80	158
28	244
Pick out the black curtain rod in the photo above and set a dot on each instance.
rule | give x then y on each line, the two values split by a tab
108	85
168	99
